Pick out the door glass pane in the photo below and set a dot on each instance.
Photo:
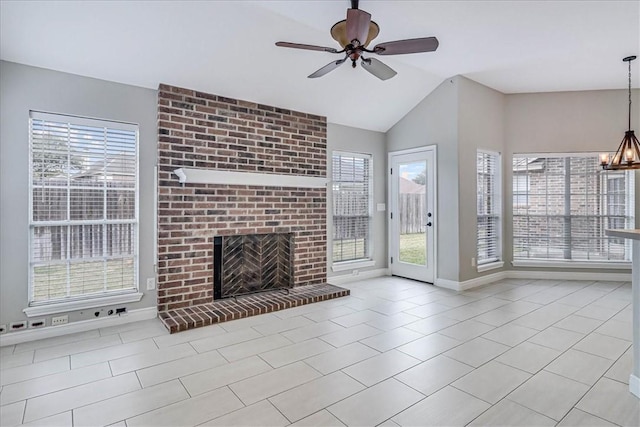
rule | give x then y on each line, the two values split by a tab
412	205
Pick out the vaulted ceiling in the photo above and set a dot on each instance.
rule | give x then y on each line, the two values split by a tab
227	48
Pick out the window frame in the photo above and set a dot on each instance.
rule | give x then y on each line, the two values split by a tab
575	262
367	260
82	301
498	209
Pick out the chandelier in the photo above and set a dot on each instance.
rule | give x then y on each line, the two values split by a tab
628	154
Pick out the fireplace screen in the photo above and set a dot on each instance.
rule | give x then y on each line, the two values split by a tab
244	264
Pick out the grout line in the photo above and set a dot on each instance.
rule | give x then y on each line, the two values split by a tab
277	409
24	411
183	386
140	382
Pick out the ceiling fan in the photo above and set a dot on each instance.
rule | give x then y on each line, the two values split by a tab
354	35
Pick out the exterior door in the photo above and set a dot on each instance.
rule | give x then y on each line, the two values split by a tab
412	217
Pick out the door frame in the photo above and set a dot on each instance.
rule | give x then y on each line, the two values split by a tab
423	149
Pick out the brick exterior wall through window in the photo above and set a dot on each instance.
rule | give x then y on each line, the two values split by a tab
563	205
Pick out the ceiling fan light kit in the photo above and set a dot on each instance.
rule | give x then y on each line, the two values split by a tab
627	156
354	34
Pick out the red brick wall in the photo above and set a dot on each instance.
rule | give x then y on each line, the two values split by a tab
199	130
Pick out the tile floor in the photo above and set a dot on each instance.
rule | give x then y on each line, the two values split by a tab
395	352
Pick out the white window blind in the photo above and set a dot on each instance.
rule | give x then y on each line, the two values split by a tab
352	206
520	189
570	202
489	212
83	208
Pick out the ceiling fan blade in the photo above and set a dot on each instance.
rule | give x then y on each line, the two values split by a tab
327	68
307	47
358	25
378	68
399	47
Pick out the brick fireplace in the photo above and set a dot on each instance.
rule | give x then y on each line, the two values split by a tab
212	133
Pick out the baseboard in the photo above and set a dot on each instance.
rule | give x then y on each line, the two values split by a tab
531	274
447	284
471	283
362	275
634	385
12	338
568	275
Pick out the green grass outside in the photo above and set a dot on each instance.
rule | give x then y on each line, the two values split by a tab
351	249
50	282
413	249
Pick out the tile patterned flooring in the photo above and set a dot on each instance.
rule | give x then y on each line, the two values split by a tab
394	352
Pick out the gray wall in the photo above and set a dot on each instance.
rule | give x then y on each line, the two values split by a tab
458	117
344	138
434	121
462	116
25	88
480	126
589	121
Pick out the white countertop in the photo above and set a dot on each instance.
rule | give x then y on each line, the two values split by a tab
628	233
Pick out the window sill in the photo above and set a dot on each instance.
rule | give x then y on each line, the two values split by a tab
490	266
538	263
350	265
62	307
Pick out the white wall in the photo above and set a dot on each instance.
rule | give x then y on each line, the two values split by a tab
25	88
344	138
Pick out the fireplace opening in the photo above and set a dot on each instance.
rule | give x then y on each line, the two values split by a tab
245	264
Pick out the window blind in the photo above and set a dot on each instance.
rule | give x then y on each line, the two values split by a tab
352	206
489	207
83	208
566	206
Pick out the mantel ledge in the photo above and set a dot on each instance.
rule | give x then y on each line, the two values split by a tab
208	176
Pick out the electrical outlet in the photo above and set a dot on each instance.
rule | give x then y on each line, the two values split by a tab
151	283
3	329
355	272
60	320
33	324
16	326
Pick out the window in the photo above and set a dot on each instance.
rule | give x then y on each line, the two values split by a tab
352	206
83	208
520	189
571	201
489	207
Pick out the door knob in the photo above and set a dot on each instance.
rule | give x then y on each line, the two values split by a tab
429	224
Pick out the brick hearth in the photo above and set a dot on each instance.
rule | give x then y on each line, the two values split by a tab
249	305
